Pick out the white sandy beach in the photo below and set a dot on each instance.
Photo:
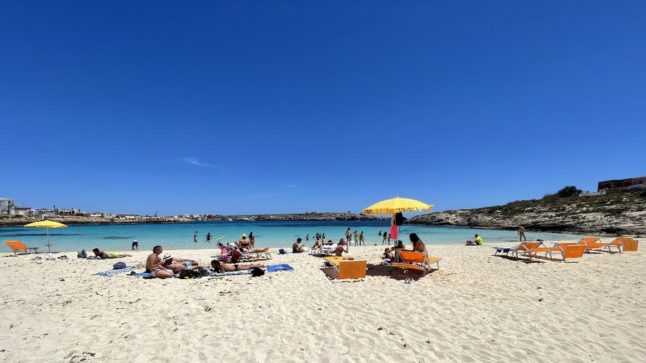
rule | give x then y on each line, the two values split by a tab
477	307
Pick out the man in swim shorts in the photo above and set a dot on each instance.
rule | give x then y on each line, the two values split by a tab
154	265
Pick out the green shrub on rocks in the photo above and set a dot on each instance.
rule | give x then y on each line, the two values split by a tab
569	191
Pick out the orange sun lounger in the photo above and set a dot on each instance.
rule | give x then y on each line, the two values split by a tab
415	261
630	245
347	269
591	243
622	243
521	248
18	246
568	250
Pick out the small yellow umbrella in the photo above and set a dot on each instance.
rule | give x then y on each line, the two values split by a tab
396	205
47	224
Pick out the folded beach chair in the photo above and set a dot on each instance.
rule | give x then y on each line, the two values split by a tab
19	246
412	260
345	269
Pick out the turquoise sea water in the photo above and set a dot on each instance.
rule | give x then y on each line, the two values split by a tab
268	233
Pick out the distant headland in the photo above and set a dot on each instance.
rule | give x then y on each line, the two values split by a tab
82	218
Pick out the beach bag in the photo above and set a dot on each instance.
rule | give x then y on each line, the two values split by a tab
81	254
257	272
282	252
119	265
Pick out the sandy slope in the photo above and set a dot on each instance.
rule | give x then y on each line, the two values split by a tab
476	308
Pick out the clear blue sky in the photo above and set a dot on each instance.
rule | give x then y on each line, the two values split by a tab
281	106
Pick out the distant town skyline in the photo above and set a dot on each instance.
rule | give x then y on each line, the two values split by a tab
255	107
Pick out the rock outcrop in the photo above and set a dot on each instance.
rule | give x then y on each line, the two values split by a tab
616	213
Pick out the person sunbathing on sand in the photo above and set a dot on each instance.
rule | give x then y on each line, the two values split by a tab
219	266
154	264
104	255
178	265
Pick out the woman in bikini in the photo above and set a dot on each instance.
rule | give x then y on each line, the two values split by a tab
419	246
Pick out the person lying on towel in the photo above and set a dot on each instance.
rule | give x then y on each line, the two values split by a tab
178	265
220	267
104	255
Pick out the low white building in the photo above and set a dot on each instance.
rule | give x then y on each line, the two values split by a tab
22	211
6	205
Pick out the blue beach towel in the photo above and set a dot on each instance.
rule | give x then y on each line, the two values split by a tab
281	267
111	273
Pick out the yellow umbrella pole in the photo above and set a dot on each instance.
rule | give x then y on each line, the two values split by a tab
49	245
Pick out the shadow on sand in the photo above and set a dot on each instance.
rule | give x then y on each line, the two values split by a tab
394	273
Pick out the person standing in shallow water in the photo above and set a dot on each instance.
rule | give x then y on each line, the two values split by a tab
362	241
195	237
521	234
208	237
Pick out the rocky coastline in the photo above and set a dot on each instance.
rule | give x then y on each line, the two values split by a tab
82	220
611	214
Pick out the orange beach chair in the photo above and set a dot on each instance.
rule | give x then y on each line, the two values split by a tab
630	245
521	248
591	243
18	246
347	269
568	250
415	261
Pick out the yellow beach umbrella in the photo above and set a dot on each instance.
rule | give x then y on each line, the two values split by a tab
47	224
396	205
